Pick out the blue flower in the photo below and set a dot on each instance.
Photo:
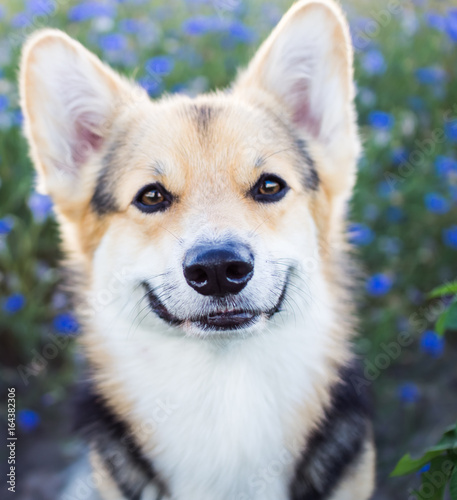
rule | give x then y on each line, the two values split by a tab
28	420
436	20
242	33
373	62
425	468
432	75
436	203
381	120
41	206
451	24
379	284
66	324
4	103
395	215
453	192
6	225
152	85
41	7
113	42
90	10
451	131
360	234
131	26
21	20
445	166
399	156
160	65
200	25
409	393
13	303
450	237
432	344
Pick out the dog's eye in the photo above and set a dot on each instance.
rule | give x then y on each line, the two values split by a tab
153	198
269	188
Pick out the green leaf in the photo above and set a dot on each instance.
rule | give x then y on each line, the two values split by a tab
451	317
434	480
453	485
441	291
407	464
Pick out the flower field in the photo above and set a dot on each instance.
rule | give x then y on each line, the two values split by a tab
403	218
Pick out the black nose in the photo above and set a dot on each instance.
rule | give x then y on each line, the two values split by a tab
218	269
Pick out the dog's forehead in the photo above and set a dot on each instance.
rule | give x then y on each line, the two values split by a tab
213	143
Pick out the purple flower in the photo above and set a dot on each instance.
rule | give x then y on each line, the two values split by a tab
66	324
373	62
14	303
160	65
90	10
40	206
379	284
381	120
432	344
6	224
409	393
28	420
445	166
431	76
450	237
436	203
360	234
113	42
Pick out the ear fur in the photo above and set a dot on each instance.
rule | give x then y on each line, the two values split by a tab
306	68
70	100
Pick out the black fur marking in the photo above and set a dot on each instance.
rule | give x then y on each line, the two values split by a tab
203	115
115	445
310	175
336	444
103	201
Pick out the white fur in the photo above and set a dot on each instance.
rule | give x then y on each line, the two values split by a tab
218	413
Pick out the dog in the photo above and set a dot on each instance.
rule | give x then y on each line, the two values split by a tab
206	238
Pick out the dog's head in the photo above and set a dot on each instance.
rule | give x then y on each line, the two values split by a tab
212	213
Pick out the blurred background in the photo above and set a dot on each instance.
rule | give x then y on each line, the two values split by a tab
403	216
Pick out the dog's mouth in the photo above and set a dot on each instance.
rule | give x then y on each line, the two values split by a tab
222	320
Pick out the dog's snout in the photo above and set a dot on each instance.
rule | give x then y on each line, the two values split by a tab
218	269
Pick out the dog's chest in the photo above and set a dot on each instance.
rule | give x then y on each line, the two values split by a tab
221	422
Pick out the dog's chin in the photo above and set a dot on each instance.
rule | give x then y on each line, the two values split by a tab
223	321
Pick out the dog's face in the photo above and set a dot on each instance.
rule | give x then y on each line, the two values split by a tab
217	211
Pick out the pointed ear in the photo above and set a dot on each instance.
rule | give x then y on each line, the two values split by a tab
70	100
306	64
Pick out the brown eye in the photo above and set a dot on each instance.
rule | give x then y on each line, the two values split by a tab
153	198
269	189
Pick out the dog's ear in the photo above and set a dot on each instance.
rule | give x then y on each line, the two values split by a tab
70	101
306	66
